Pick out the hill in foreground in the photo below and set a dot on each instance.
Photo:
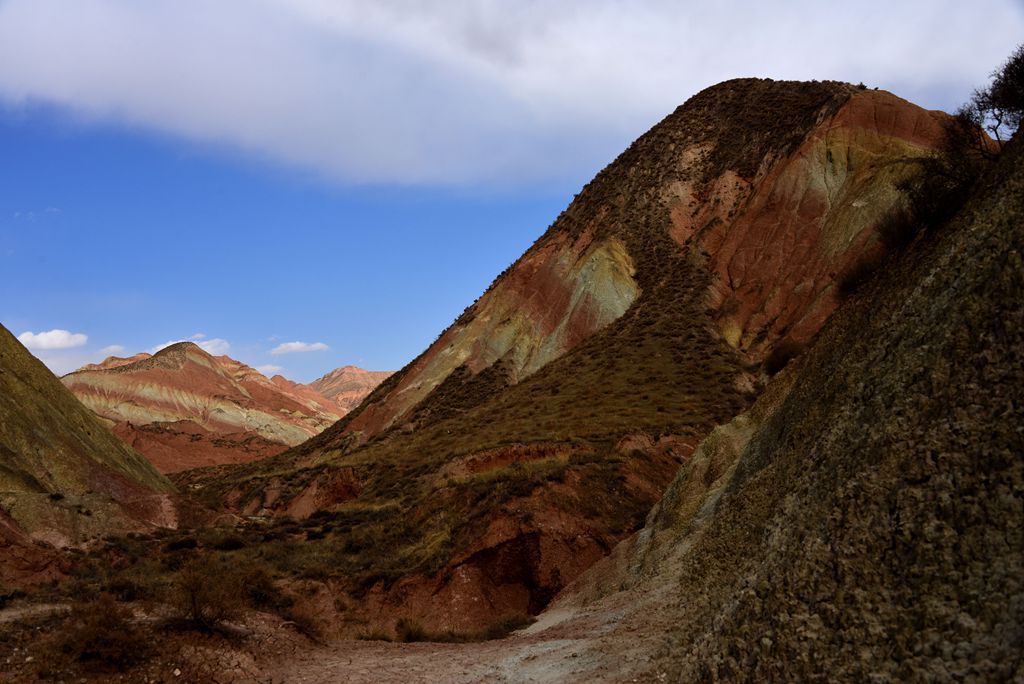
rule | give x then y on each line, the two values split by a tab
64	478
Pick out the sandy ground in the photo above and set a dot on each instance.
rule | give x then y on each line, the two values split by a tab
613	641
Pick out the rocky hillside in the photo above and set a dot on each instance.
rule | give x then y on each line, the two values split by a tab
348	386
538	430
862	521
183	408
63	476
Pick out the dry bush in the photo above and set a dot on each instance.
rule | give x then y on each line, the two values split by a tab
261	591
375	633
304	619
228	542
181	544
205	593
408	631
131	586
102	635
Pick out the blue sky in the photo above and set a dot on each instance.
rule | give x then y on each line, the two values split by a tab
136	240
352	175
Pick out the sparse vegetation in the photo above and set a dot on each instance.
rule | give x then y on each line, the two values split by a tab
375	633
101	635
204	594
408	631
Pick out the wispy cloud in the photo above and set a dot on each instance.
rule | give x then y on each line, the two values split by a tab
33	215
65	361
215	346
269	369
53	339
112	350
464	92
296	347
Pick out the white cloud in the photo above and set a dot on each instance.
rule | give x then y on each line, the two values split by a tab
293	347
112	350
215	346
269	369
467	92
198	336
63	362
53	339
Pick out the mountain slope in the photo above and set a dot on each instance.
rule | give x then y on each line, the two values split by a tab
542	425
63	476
863	520
183	407
769	207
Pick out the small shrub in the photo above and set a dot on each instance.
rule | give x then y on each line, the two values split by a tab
205	594
375	633
130	587
304	619
181	544
228	542
261	591
103	636
408	630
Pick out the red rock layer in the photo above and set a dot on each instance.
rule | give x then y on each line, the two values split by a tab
776	242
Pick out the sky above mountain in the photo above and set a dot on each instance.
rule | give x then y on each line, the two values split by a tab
312	183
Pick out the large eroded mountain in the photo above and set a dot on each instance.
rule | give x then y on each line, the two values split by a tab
348	386
183	407
863	520
63	476
539	428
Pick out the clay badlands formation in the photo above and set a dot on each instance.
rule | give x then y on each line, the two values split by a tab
539	429
184	408
728	418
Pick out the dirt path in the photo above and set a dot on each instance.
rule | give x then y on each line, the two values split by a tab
358	662
608	643
14	614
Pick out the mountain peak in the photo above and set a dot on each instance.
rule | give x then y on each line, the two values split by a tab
714	239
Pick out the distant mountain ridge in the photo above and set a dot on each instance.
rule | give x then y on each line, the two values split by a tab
183	407
349	385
